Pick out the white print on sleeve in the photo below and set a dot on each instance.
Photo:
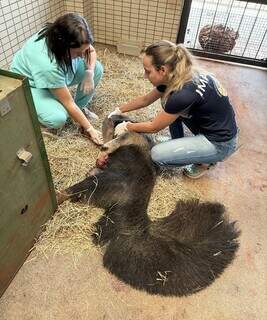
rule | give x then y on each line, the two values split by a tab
201	87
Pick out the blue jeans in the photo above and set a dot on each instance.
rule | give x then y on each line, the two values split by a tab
182	150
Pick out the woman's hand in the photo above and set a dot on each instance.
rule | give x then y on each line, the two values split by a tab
116	112
94	135
121	128
87	84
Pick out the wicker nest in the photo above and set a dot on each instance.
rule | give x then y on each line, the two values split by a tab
217	38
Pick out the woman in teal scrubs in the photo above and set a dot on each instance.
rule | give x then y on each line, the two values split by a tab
59	56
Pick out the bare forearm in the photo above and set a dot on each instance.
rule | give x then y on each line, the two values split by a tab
92	62
64	97
147	127
161	121
77	115
135	104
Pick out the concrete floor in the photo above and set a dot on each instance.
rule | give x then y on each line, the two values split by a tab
57	287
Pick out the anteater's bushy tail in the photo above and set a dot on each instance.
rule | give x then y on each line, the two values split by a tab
177	255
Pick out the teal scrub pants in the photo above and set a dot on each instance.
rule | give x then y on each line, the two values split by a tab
51	113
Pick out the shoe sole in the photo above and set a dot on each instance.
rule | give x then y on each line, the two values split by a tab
194	177
199	175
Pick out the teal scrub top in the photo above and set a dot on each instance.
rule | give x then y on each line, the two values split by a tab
33	61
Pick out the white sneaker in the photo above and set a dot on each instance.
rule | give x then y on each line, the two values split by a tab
195	171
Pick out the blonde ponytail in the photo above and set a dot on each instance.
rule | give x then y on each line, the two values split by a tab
179	60
184	71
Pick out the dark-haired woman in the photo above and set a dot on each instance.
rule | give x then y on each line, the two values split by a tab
59	56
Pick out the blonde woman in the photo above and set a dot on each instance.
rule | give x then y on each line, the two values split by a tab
189	97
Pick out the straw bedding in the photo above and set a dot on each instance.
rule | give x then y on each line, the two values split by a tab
72	155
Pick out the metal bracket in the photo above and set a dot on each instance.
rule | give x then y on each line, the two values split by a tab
24	156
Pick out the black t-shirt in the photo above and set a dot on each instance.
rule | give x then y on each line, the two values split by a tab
206	102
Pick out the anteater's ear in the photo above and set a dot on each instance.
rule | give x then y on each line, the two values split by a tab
109	124
107	129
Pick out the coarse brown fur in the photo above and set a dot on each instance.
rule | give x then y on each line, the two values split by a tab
176	255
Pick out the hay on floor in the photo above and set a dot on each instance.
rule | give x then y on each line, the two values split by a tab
71	156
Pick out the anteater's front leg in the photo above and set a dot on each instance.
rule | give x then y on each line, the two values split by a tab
104	190
104	229
64	195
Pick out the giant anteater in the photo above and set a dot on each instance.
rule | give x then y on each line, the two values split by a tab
177	255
